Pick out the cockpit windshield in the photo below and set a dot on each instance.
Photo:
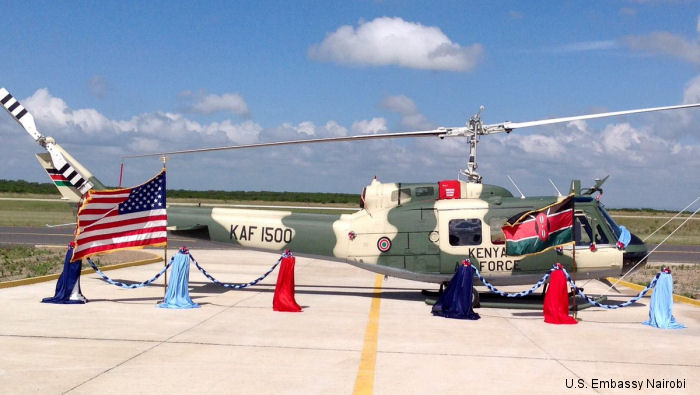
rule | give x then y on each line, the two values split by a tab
615	228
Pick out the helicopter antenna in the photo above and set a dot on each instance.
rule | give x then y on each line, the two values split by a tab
522	196
555	188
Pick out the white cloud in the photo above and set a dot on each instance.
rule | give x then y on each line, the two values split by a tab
666	43
55	117
691	94
411	117
205	103
585	46
228	102
372	126
98	86
392	41
56	114
541	146
247	132
333	129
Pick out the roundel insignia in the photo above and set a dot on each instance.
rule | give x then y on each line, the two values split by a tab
384	244
542	226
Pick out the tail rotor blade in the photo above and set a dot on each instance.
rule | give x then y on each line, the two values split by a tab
19	113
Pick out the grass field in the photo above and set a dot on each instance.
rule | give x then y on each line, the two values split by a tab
34	213
644	223
21	262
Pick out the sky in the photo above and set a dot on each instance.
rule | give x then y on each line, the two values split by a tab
114	78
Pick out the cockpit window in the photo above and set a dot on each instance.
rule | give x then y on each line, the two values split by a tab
600	237
611	223
582	231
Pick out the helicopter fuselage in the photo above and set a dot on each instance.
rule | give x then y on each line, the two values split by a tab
420	232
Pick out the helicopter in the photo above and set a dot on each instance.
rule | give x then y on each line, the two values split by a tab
414	231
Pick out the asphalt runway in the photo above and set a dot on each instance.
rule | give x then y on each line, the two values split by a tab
63	235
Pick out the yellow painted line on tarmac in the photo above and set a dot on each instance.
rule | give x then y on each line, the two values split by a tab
364	383
676	298
40	279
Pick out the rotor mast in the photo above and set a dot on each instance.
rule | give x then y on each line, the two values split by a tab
476	126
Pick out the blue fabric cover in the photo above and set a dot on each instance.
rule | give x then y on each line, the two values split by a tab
661	306
625	236
68	284
178	294
456	301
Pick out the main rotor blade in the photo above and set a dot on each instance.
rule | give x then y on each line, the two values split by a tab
508	126
441	132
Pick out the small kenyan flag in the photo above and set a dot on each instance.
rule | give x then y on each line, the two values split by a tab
536	231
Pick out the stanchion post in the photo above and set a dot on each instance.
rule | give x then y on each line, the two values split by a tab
165	248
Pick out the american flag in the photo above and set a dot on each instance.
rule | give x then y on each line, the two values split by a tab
117	219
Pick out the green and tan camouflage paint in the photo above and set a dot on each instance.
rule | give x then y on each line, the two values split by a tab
416	227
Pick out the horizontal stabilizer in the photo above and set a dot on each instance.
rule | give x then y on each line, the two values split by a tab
68	192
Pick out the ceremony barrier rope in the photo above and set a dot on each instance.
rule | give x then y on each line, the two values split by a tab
129	286
513	295
286	254
612	306
184	250
573	284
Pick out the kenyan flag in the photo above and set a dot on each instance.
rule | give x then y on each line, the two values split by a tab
536	231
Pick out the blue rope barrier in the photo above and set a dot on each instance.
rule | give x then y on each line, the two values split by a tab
512	295
129	286
579	291
612	306
240	285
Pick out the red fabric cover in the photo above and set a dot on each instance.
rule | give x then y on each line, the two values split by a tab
556	300
284	290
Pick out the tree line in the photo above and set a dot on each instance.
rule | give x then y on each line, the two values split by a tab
47	188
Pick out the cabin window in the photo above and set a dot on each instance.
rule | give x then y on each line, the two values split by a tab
465	232
405	194
425	191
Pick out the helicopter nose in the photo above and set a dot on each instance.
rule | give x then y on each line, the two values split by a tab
634	255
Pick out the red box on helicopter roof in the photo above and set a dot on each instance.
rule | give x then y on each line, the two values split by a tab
450	189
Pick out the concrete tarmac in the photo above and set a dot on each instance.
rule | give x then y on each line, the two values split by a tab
235	343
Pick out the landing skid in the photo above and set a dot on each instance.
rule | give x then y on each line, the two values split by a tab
530	302
431	297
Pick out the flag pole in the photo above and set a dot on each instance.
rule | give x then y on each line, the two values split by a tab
165	248
573	289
